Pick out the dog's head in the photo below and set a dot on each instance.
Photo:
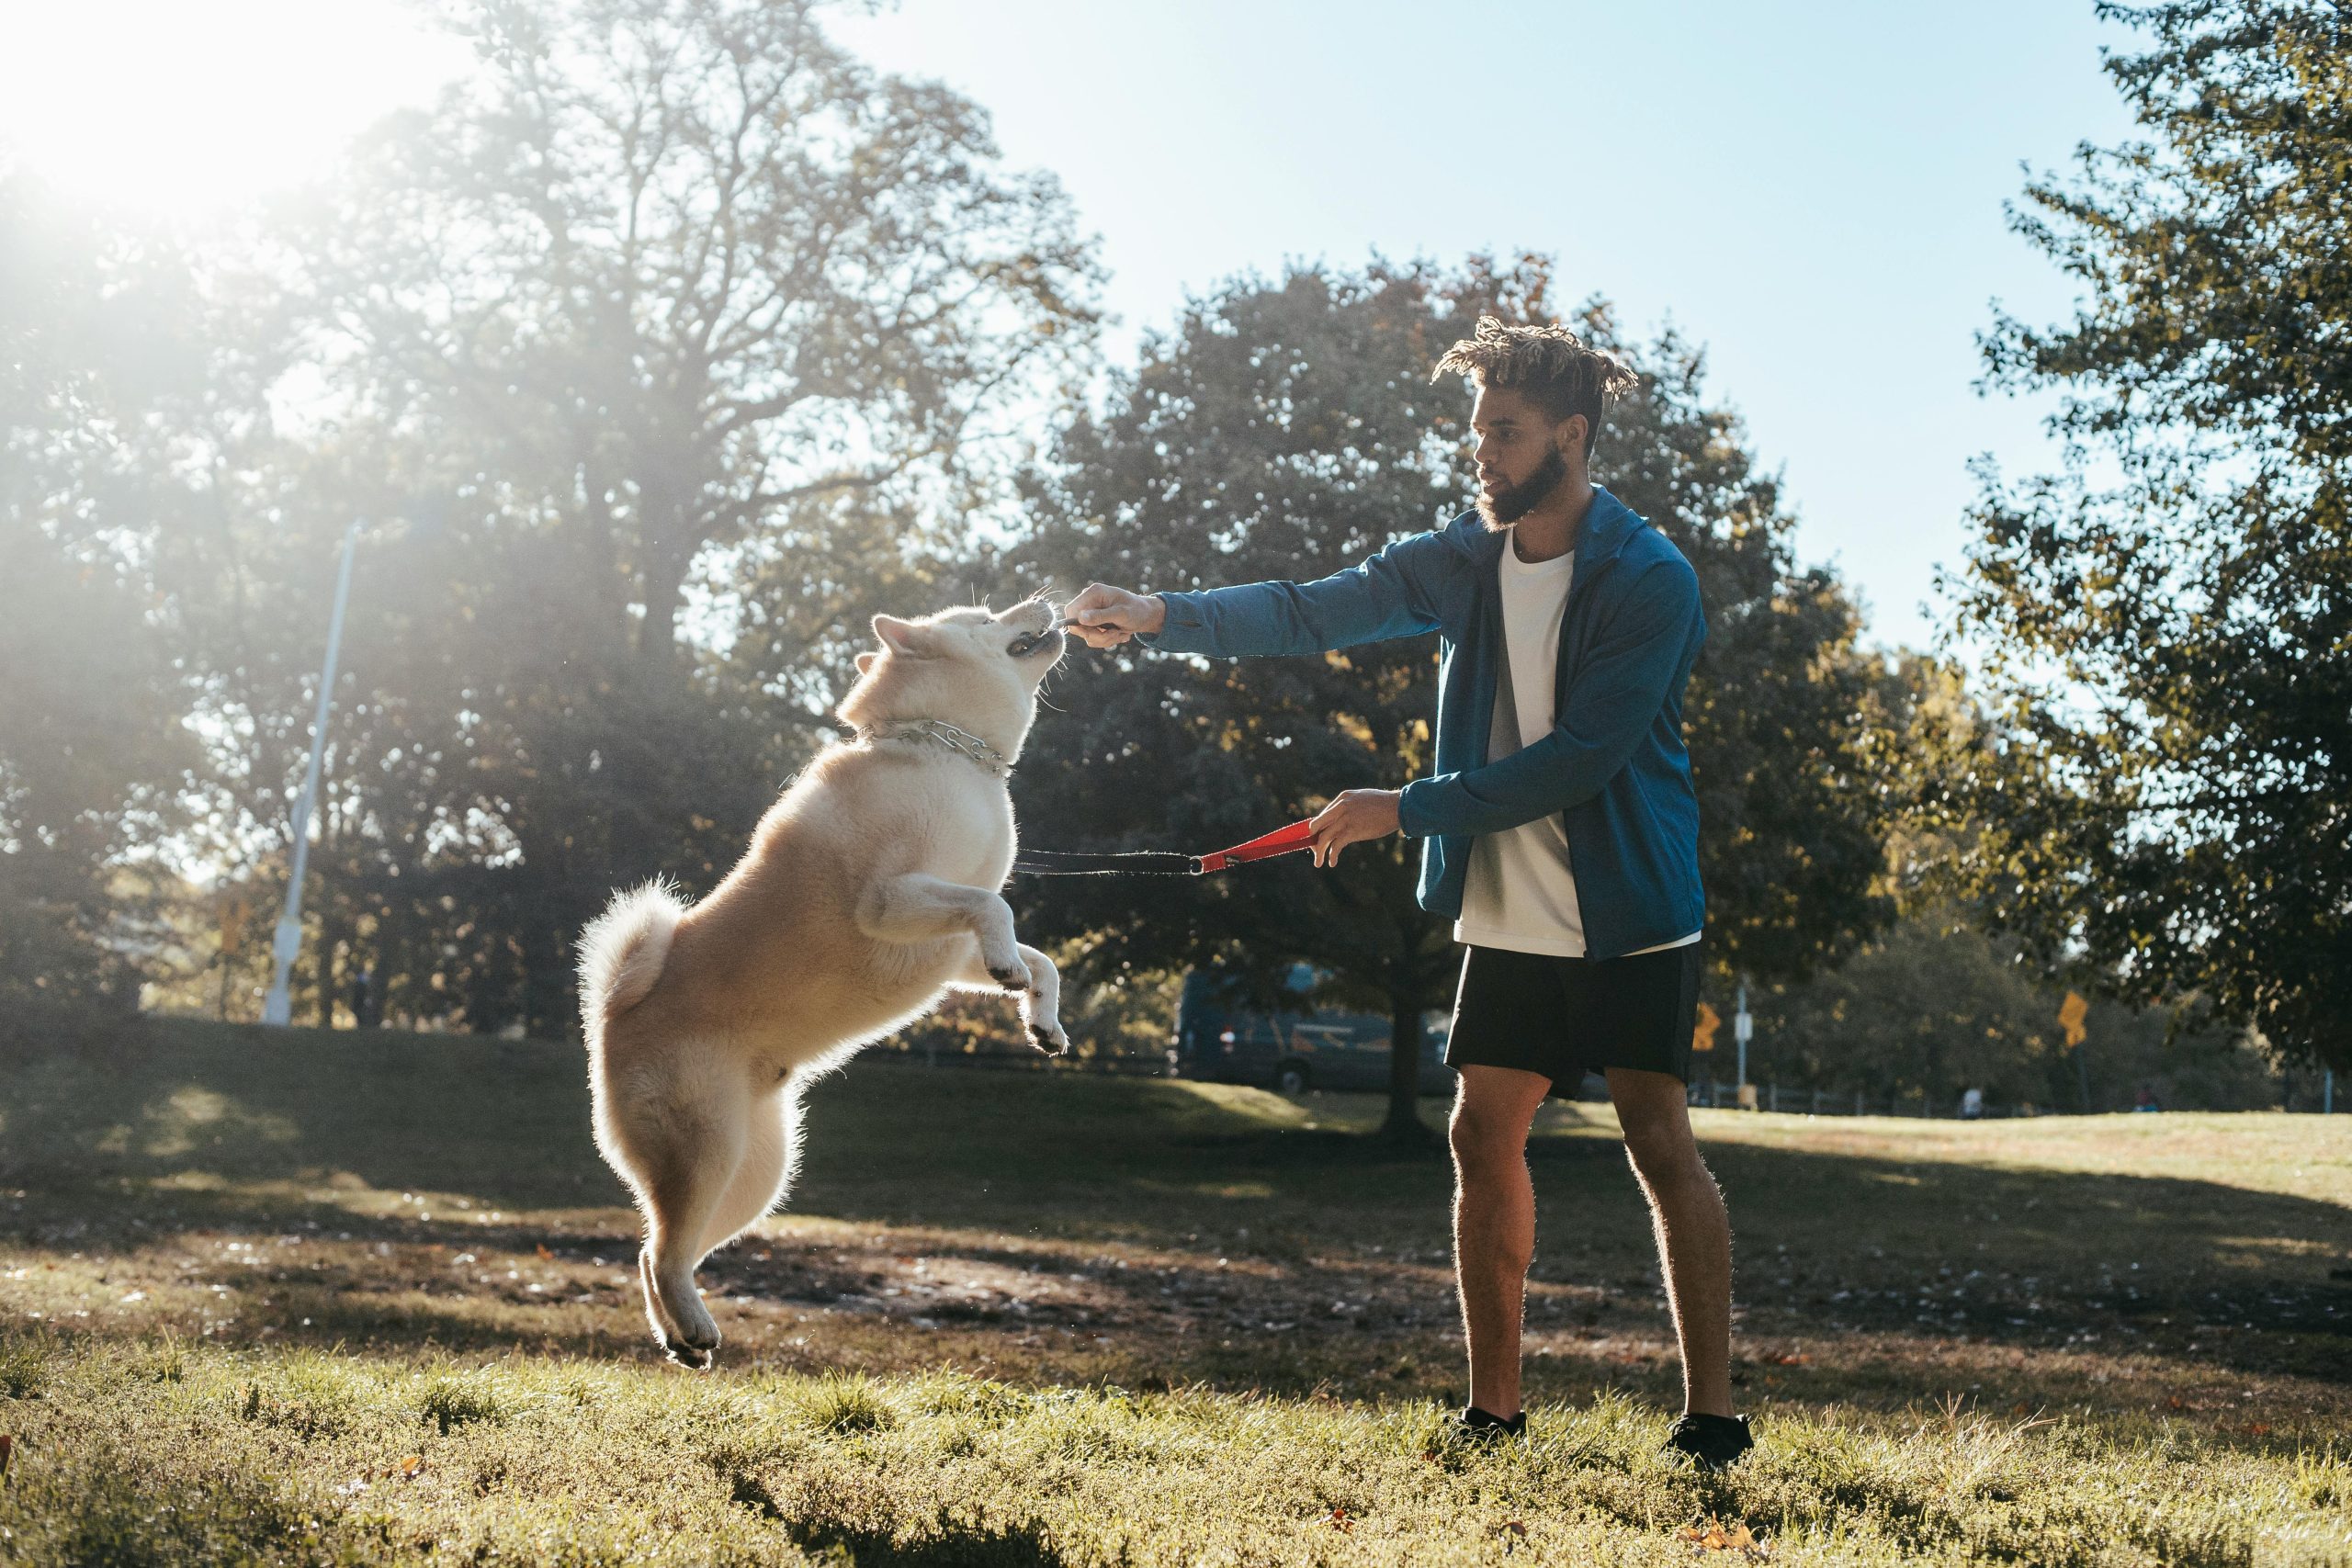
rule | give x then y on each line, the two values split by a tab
977	669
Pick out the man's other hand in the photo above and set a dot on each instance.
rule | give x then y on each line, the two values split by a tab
1103	617
1354	817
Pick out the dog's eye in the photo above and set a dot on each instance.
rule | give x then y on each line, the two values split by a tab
1024	646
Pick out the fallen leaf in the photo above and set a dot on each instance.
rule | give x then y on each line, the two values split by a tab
545	1253
1793	1358
1709	1535
411	1467
1338	1520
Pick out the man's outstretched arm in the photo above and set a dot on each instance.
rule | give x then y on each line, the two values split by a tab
1393	594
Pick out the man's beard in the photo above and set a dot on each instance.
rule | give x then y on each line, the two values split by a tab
1514	501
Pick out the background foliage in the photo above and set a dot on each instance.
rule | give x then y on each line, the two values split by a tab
2165	625
675	342
1288	429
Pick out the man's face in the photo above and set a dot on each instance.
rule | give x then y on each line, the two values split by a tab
1522	455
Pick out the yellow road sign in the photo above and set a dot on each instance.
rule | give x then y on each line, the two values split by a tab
234	910
2071	1013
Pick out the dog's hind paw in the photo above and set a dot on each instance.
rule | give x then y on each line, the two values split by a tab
694	1358
1052	1041
1012	979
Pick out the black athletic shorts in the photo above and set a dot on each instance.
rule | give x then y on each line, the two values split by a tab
1565	1017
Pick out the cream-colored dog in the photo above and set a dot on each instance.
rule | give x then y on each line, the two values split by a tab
869	891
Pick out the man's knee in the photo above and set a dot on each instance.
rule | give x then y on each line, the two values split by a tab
1484	1144
1659	1143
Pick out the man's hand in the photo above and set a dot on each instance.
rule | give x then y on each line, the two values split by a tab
1357	815
1103	617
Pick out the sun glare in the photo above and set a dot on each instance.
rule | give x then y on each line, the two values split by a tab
180	109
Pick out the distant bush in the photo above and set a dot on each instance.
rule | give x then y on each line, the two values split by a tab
1936	1006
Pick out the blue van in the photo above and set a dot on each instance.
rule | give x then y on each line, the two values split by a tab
1298	1046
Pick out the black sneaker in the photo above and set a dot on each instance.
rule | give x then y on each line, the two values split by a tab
1711	1443
1484	1428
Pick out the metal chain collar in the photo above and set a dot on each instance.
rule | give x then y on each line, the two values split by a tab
939	732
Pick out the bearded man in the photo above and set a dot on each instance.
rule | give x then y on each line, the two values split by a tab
1559	831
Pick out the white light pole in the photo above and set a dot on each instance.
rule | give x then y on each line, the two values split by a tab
277	1008
1743	1029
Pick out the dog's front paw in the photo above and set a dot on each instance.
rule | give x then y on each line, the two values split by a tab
1049	1038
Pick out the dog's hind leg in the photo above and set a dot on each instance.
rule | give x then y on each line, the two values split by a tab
679	1210
664	1331
688	1150
771	1147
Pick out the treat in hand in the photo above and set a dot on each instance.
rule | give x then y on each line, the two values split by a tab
1103	617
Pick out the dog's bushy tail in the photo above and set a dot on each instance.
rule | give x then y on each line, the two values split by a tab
622	951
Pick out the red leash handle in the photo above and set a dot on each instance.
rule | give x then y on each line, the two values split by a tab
1282	841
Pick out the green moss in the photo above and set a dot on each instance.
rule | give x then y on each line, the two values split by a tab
449	1403
23	1364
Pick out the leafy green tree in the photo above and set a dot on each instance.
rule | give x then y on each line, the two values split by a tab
91	752
688	266
1288	430
1930	1009
645	349
2165	623
1933	1006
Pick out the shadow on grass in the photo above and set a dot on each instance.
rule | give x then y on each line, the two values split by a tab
956	1545
506	1120
995	1165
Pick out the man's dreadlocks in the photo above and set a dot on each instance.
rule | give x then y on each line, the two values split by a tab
1551	367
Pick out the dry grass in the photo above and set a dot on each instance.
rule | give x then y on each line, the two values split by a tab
296	1298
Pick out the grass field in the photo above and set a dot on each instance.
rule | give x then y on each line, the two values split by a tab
301	1298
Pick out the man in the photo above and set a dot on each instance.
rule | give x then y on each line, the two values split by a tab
1559	829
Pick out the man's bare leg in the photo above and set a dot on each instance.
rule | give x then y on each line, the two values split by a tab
1693	1229
1494	1222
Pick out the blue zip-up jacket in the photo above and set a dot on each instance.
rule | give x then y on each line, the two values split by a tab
1614	765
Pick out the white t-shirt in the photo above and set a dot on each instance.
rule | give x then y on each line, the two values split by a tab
1521	893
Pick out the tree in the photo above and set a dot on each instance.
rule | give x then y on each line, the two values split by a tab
90	752
2165	623
1932	1006
690	267
644	350
1288	430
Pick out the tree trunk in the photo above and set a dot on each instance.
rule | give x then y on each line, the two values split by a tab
1404	1124
657	646
671	538
551	914
330	943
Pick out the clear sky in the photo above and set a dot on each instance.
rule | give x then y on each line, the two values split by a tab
1814	191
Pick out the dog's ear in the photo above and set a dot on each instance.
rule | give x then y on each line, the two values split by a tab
906	636
865	660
